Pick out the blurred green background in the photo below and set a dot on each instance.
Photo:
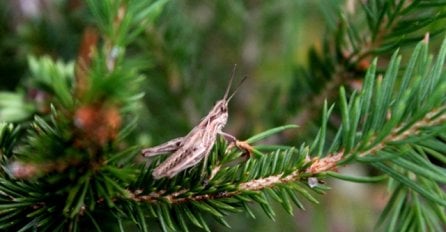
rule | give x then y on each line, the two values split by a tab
188	59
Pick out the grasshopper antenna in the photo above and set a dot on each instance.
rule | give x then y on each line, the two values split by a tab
230	82
238	87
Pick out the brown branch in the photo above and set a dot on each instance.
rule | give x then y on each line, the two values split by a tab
112	51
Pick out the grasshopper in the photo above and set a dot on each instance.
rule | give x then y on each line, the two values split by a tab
189	150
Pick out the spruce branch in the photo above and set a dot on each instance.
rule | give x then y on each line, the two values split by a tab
70	161
76	161
436	117
372	122
317	166
390	24
357	111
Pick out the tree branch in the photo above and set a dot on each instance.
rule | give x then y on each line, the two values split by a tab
318	166
432	118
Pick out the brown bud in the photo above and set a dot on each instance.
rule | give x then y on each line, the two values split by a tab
99	124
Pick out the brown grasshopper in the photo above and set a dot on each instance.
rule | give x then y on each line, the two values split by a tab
196	145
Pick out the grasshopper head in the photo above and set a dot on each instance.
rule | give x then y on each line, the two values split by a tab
220	111
218	116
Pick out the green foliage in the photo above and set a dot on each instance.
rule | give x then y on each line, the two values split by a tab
55	78
70	138
383	124
14	107
356	35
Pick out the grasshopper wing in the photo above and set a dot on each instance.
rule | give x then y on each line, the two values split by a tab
167	147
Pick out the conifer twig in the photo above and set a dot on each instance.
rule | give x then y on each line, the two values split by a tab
318	166
397	134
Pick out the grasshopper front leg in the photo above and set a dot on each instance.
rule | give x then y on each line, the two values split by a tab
167	147
234	141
